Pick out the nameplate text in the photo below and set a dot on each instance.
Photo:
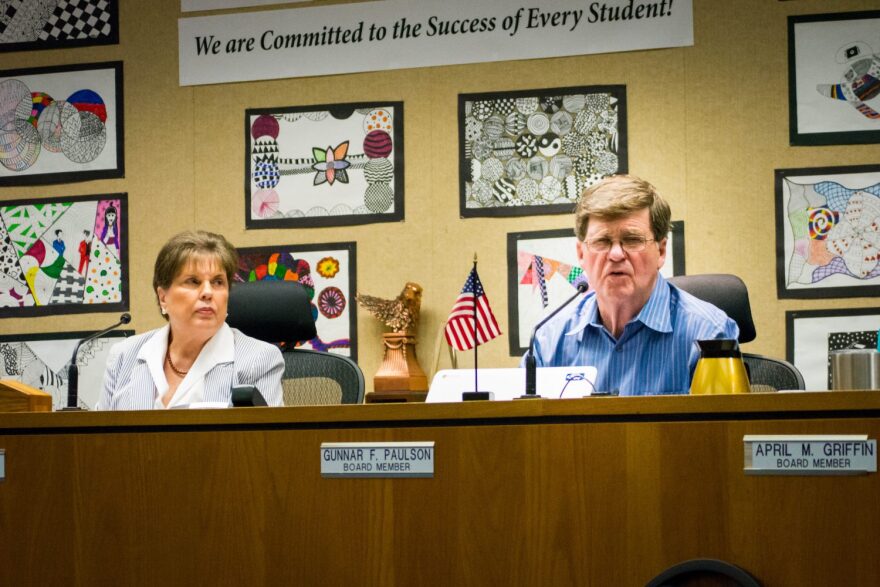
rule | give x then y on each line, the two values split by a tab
377	459
809	455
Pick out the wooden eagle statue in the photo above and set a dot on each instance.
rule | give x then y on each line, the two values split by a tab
400	314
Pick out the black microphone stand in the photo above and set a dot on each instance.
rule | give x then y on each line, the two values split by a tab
73	370
531	362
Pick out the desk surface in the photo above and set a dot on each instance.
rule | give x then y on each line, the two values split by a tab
600	491
642	408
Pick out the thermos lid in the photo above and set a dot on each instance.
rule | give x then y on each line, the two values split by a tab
719	348
866	352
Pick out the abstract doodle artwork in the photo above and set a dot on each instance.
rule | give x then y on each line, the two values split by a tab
56	24
329	274
533	152
61	124
828	232
834	78
329	165
811	335
543	271
64	255
42	361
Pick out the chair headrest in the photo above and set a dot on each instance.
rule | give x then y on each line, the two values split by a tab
272	311
724	291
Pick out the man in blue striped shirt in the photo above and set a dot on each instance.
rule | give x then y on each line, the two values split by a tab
633	326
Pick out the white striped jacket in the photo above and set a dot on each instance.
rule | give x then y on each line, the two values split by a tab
129	385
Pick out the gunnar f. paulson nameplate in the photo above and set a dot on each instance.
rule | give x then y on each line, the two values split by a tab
377	459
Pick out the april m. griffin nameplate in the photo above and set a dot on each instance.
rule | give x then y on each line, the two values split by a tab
377	459
809	455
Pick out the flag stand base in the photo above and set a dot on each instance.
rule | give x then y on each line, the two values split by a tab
400	370
469	396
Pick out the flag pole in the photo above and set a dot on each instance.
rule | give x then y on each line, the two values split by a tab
477	344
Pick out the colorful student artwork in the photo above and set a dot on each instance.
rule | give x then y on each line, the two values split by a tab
534	152
63	255
328	272
56	24
61	124
328	165
834	73
42	361
828	232
544	271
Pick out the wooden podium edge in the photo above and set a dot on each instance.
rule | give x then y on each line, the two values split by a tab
16	396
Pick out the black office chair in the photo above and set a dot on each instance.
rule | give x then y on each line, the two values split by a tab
704	571
279	312
729	293
775	373
724	291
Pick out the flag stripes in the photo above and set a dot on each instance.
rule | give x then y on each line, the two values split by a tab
461	331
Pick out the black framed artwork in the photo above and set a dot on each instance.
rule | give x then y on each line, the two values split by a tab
811	335
42	360
66	255
327	165
543	271
30	25
529	152
834	78
328	271
61	124
828	232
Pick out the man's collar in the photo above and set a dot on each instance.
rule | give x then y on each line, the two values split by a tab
654	314
586	314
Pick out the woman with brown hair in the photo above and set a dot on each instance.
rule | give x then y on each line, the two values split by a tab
196	357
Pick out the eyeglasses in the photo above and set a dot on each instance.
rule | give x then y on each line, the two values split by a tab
632	243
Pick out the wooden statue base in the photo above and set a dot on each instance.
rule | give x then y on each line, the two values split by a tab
400	370
395	397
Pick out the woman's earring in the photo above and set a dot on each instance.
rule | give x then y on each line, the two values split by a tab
164	311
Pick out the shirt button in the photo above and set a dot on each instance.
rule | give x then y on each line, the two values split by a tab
619	348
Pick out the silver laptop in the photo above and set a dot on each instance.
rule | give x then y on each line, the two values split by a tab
507	384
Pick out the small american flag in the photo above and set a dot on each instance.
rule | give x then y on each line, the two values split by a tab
460	331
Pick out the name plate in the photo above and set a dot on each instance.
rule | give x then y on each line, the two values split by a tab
809	455
377	459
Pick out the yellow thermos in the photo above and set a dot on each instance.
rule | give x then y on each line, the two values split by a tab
720	368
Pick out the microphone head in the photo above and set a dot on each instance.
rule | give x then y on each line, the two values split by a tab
125	318
583	286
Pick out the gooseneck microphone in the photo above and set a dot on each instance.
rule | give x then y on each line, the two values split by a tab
531	363
73	370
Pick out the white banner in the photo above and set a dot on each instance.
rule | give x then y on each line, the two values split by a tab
398	34
198	5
